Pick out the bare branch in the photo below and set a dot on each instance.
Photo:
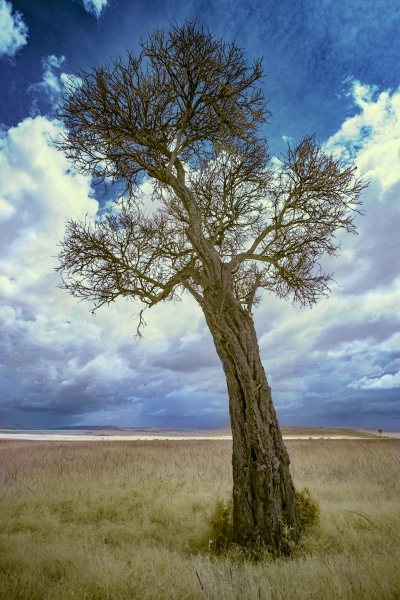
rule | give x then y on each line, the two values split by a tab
252	294
193	291
310	199
186	112
141	323
124	254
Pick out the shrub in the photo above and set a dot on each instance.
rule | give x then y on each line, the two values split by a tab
307	508
222	536
222	526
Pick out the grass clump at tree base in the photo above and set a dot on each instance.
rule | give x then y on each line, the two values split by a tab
223	540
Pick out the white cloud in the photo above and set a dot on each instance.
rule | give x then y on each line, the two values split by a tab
37	192
95	7
51	86
60	357
380	383
69	81
50	89
13	31
372	137
349	339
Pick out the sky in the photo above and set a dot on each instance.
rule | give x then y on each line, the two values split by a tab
333	69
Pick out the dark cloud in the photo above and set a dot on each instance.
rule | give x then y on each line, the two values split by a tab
188	355
377	244
347	408
372	331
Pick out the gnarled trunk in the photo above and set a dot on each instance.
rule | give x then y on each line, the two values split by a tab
264	504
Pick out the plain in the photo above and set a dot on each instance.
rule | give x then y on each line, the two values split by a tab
125	520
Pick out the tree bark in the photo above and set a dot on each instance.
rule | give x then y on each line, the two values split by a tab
264	502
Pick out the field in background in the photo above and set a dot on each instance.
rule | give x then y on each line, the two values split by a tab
295	431
86	434
126	520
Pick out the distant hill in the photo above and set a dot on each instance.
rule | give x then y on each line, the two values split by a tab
87	427
12	427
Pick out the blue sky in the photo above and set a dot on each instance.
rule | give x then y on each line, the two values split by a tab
333	69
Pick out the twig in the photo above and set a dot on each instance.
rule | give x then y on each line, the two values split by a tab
198	577
324	563
360	515
28	488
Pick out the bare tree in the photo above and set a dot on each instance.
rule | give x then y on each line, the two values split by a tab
187	114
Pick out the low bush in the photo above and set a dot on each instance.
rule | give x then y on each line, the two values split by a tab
307	508
222	533
222	537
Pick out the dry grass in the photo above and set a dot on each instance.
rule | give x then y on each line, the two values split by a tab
327	431
119	520
292	430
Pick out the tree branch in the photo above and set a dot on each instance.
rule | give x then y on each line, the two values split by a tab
186	112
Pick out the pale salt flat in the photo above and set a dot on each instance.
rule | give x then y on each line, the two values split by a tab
108	437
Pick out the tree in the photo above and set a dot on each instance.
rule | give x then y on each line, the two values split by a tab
187	114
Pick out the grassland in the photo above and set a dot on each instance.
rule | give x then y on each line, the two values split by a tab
126	520
288	430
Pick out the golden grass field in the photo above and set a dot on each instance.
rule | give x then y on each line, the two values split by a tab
127	520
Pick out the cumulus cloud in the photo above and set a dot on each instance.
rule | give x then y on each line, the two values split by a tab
335	364
385	382
315	358
95	7
37	192
372	137
13	31
56	361
49	90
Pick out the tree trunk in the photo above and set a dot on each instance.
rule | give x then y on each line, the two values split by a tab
264	503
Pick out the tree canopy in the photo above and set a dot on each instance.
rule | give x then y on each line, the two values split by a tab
187	113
